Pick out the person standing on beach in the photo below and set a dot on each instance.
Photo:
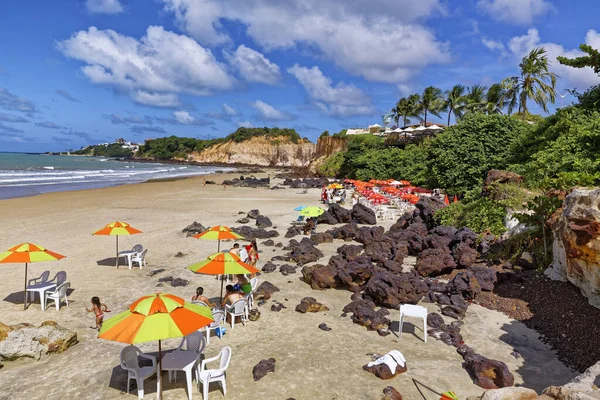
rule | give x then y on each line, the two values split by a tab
99	309
203	182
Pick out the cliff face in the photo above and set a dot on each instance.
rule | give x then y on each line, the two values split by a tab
259	151
326	146
577	243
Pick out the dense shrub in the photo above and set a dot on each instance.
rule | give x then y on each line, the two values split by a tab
481	214
112	150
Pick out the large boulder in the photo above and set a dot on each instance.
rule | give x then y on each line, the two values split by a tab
426	208
250	233
263	222
293	231
364	314
576	245
193	229
464	255
342	215
346	232
433	262
266	290
465	284
391	290
382	371
28	341
304	252
310	304
263	367
486	373
362	214
327	219
323	237
320	276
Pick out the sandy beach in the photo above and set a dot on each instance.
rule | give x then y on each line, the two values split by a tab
310	363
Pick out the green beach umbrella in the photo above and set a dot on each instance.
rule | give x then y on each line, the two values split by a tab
311	211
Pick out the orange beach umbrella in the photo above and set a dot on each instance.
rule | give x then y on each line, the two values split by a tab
115	229
222	264
219	232
157	316
446	200
28	253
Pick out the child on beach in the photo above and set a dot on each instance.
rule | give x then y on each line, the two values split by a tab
99	309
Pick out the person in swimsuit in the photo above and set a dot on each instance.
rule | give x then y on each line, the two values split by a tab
99	309
199	296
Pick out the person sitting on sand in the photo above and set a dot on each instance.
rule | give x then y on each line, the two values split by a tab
199	296
99	309
309	226
231	296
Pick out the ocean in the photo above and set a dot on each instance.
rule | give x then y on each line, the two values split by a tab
31	174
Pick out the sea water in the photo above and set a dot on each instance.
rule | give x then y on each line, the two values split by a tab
30	174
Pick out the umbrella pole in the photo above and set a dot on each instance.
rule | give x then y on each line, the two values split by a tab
221	298
117	260
219	246
25	291
159	394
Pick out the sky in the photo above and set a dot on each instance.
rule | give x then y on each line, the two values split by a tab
79	72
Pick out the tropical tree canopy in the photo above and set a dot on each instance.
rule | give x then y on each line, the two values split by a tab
406	108
431	102
592	59
455	102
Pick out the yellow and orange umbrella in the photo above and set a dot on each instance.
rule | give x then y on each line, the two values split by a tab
157	316
222	264
219	232
28	253
115	229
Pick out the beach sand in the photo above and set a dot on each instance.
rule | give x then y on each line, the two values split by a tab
310	363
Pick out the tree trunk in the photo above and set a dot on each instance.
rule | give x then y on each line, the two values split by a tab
449	113
425	119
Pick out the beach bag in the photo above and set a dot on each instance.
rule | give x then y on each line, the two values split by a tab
254	314
220	331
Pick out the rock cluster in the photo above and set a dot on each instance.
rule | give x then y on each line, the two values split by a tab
310	304
28	341
382	371
359	214
250	233
304	252
315	183
193	229
248	182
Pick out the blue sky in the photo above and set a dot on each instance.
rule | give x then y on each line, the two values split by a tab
77	72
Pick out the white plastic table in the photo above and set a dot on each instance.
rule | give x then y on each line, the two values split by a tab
40	289
180	360
128	254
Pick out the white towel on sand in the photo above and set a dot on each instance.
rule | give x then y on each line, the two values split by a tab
391	359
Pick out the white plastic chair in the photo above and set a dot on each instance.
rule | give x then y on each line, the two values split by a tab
205	377
57	295
138	248
59	278
218	317
409	310
43	278
237	309
139	258
250	296
200	303
130	362
193	342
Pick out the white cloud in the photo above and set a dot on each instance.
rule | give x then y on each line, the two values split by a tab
153	70
494	45
582	78
339	100
183	117
228	110
521	12
270	113
104	6
254	66
381	41
405	90
245	124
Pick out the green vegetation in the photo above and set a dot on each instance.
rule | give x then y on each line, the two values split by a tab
112	150
478	213
176	147
592	59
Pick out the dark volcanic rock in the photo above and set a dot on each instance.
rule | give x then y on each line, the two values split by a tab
319	238
324	327
261	369
367	235
496	176
253	214
426	208
266	289
280	258
320	276
345	232
269	267
382	371
244	220
293	231
179	282
165	279
327	219
156	271
433	262
193	229
487	277
390	290
363	215
364	314
304	252
465	284
453	312
464	255
277	306
310	304
255	233
486	373
341	214
434	320
263	222
269	242
349	251
288	269
390	393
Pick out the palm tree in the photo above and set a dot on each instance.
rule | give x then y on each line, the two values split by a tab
406	108
476	98
431	102
455	101
494	101
535	83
